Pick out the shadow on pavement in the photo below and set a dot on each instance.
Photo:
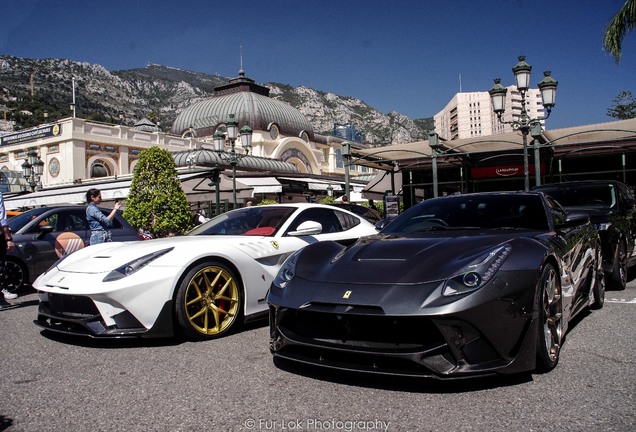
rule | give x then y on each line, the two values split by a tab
397	383
89	342
135	342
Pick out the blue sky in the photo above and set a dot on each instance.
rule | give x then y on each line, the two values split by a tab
397	55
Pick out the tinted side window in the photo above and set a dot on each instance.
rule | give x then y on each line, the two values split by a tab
54	220
556	211
347	221
71	220
326	217
76	221
64	220
116	223
625	194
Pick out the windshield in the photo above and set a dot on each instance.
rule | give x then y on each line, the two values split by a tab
259	221
472	212
597	196
17	222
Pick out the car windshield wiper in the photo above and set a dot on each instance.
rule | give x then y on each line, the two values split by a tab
467	227
509	228
448	228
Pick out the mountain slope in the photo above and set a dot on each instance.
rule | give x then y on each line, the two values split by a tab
31	89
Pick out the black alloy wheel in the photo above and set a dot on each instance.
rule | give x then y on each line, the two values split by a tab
15	275
550	320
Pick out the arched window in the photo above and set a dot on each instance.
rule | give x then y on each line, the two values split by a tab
99	169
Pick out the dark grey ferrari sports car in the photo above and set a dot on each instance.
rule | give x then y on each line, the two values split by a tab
457	286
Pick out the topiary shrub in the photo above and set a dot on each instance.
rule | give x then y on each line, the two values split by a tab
156	202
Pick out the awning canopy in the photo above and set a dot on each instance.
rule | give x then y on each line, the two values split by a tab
603	136
262	185
210	158
69	194
194	183
382	182
322	185
199	189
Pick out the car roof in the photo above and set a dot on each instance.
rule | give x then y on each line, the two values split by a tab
493	193
576	183
54	207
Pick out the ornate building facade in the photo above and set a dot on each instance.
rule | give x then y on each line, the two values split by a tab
78	151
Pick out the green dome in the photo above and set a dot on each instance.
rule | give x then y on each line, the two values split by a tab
251	105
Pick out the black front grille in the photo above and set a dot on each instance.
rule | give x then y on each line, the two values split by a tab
373	333
71	306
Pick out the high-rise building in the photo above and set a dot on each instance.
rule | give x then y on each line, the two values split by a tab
470	114
347	131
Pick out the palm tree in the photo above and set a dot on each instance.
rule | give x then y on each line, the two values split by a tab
621	24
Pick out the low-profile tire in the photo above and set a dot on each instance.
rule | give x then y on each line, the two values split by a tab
598	282
15	274
618	280
208	302
550	319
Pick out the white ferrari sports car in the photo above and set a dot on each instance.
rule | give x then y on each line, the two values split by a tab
200	285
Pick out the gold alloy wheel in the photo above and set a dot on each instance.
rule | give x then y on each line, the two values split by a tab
211	300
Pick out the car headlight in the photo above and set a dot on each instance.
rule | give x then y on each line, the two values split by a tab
287	271
603	226
477	273
134	266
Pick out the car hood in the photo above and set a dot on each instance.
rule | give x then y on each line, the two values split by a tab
401	260
108	256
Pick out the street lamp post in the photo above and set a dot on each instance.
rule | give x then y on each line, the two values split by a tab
524	123
233	158
433	143
32	170
215	176
346	155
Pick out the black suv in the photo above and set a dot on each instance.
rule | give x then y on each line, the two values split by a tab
611	207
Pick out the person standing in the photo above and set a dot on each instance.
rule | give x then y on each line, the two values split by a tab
6	245
97	221
199	217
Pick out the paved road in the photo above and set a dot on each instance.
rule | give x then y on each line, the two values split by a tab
64	384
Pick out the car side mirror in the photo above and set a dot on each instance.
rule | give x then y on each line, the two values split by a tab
44	230
307	228
379	225
575	218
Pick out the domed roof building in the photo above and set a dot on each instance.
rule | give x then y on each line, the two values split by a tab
285	159
251	105
280	131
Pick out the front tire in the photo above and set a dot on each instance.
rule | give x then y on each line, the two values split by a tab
15	275
598	282
619	272
208	302
550	321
